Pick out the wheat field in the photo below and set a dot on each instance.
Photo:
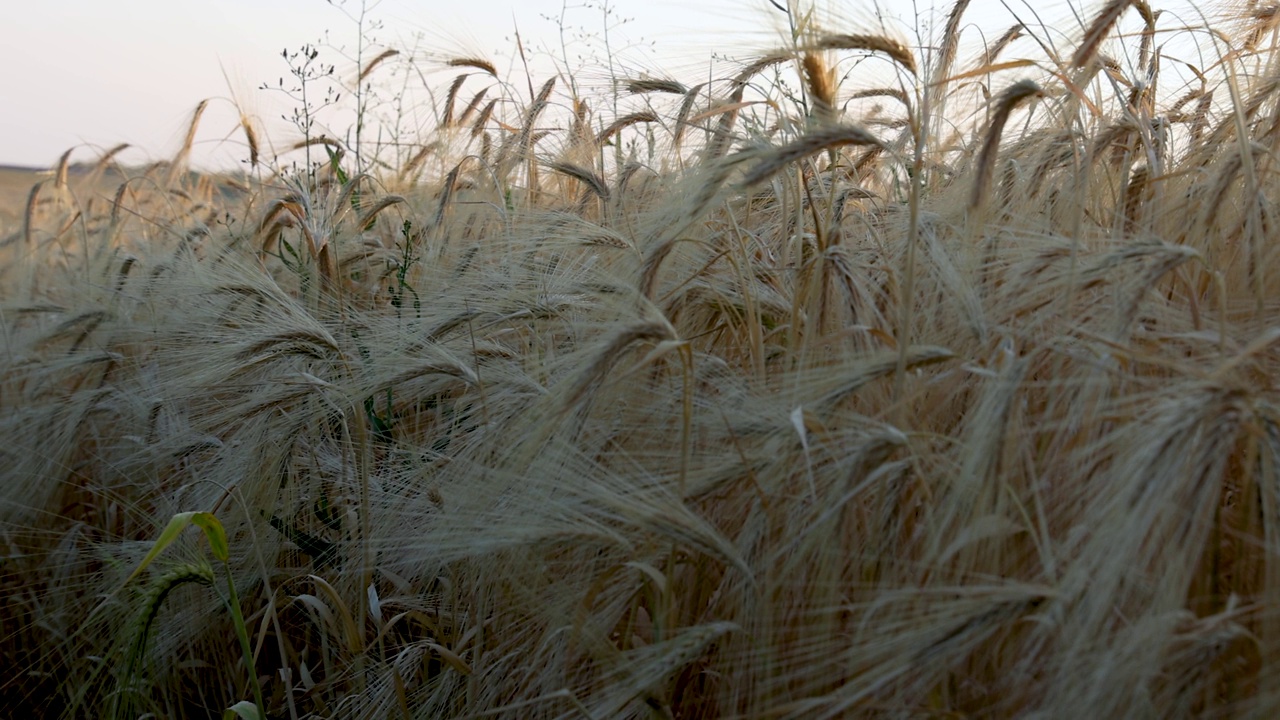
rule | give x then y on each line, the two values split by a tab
784	394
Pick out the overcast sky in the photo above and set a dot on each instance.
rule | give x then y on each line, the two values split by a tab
94	74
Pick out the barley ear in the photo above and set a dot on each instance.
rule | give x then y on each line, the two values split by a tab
180	160
251	137
824	139
473	62
894	49
614	127
950	41
1009	99
60	176
821	81
1101	26
446	118
1000	44
382	56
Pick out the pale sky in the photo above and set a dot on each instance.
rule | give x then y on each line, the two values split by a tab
95	74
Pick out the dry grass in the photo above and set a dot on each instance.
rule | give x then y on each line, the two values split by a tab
714	407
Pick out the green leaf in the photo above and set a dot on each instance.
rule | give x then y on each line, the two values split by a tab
215	534
335	160
244	710
206	521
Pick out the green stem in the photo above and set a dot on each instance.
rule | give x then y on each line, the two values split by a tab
242	632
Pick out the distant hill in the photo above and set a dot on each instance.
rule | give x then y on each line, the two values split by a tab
16	182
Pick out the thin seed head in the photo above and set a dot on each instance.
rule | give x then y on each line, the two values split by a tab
1175	110
867	159
1226	178
1201	116
527	136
